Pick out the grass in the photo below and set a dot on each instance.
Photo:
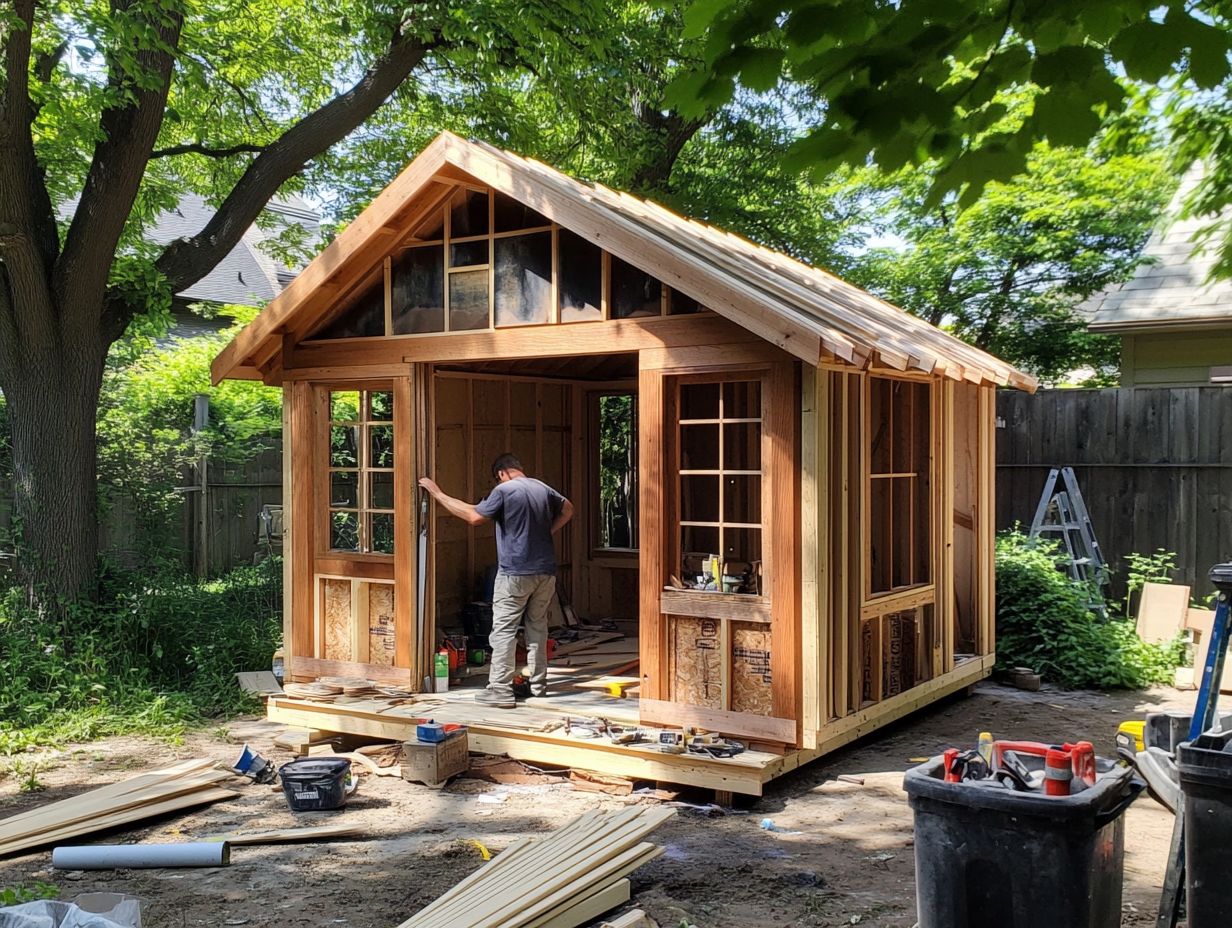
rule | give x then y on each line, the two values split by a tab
156	656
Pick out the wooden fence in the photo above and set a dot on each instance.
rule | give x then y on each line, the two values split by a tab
233	499
1153	464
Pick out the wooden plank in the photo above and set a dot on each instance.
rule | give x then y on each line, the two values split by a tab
406	529
740	724
736	606
591	907
299	541
1162	611
653	546
289	835
288	536
781	505
311	668
618	336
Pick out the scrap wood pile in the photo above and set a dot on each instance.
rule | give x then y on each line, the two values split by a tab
566	879
182	786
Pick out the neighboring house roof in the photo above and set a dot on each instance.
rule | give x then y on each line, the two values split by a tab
802	309
248	275
1172	289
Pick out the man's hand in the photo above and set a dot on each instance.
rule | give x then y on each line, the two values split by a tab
456	507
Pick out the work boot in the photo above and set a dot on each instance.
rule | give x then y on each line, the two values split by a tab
495	698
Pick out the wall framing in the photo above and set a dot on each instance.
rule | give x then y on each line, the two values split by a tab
837	656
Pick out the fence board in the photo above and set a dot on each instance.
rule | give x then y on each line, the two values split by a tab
236	495
1154	465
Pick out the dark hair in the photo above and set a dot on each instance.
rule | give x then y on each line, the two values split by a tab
507	461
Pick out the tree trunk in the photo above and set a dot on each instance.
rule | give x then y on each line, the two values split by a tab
52	408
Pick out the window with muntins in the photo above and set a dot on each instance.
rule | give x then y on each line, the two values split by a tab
361	471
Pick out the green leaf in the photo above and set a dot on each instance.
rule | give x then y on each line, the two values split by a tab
760	68
1148	49
702	13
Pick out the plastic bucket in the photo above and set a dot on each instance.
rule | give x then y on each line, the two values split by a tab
985	854
313	784
1205	769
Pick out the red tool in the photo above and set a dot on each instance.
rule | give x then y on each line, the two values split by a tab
1058	772
1080	758
951	755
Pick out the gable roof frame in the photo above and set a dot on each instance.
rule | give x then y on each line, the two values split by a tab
802	310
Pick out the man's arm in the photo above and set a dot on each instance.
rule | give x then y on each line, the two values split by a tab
463	510
566	513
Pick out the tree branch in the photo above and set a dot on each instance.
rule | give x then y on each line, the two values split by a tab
200	148
26	217
186	261
129	127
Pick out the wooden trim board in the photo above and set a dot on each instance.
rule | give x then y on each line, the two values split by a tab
743	724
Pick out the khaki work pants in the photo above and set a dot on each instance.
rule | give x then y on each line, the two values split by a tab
514	599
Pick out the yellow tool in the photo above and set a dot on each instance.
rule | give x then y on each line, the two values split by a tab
1129	736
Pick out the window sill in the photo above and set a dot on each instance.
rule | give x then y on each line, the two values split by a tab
743	607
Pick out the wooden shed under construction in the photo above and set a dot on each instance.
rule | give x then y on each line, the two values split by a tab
784	485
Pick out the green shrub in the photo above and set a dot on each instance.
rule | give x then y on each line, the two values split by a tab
153	656
1043	623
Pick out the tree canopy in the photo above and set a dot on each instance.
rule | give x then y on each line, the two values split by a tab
911	82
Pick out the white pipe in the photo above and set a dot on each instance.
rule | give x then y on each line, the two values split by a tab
141	856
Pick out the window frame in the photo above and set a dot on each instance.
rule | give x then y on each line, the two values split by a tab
593	464
674	486
364	511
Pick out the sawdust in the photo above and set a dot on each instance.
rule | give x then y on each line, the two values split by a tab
840	854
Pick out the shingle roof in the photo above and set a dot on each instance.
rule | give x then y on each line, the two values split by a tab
802	309
248	275
1172	290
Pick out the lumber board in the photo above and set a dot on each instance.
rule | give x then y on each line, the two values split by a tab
565	878
591	907
127	816
748	725
1162	611
288	835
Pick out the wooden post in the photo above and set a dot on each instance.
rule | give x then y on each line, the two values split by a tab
201	552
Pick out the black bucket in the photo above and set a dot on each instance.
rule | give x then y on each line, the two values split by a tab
312	784
1205	768
989	855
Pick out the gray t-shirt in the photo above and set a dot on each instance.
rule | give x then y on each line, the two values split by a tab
523	509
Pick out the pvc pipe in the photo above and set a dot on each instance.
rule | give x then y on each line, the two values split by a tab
141	856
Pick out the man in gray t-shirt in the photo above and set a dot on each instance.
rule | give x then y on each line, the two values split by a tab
527	513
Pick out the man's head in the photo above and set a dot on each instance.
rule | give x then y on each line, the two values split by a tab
506	467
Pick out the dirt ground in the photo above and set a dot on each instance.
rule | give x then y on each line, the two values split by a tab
839	854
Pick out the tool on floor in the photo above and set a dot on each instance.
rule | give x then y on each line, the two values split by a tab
521	686
672	742
714	746
1204	718
252	765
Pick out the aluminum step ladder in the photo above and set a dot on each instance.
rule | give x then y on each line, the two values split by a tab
1063	513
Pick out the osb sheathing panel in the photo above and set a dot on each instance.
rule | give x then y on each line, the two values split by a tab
381	645
336	610
695	671
750	669
899	646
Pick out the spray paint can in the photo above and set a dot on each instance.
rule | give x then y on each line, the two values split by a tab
440	669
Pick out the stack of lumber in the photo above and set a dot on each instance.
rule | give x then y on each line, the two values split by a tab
563	880
318	692
187	784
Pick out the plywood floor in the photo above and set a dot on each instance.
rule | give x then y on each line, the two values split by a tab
534	732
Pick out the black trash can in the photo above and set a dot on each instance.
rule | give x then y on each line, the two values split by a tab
986	855
1205	768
